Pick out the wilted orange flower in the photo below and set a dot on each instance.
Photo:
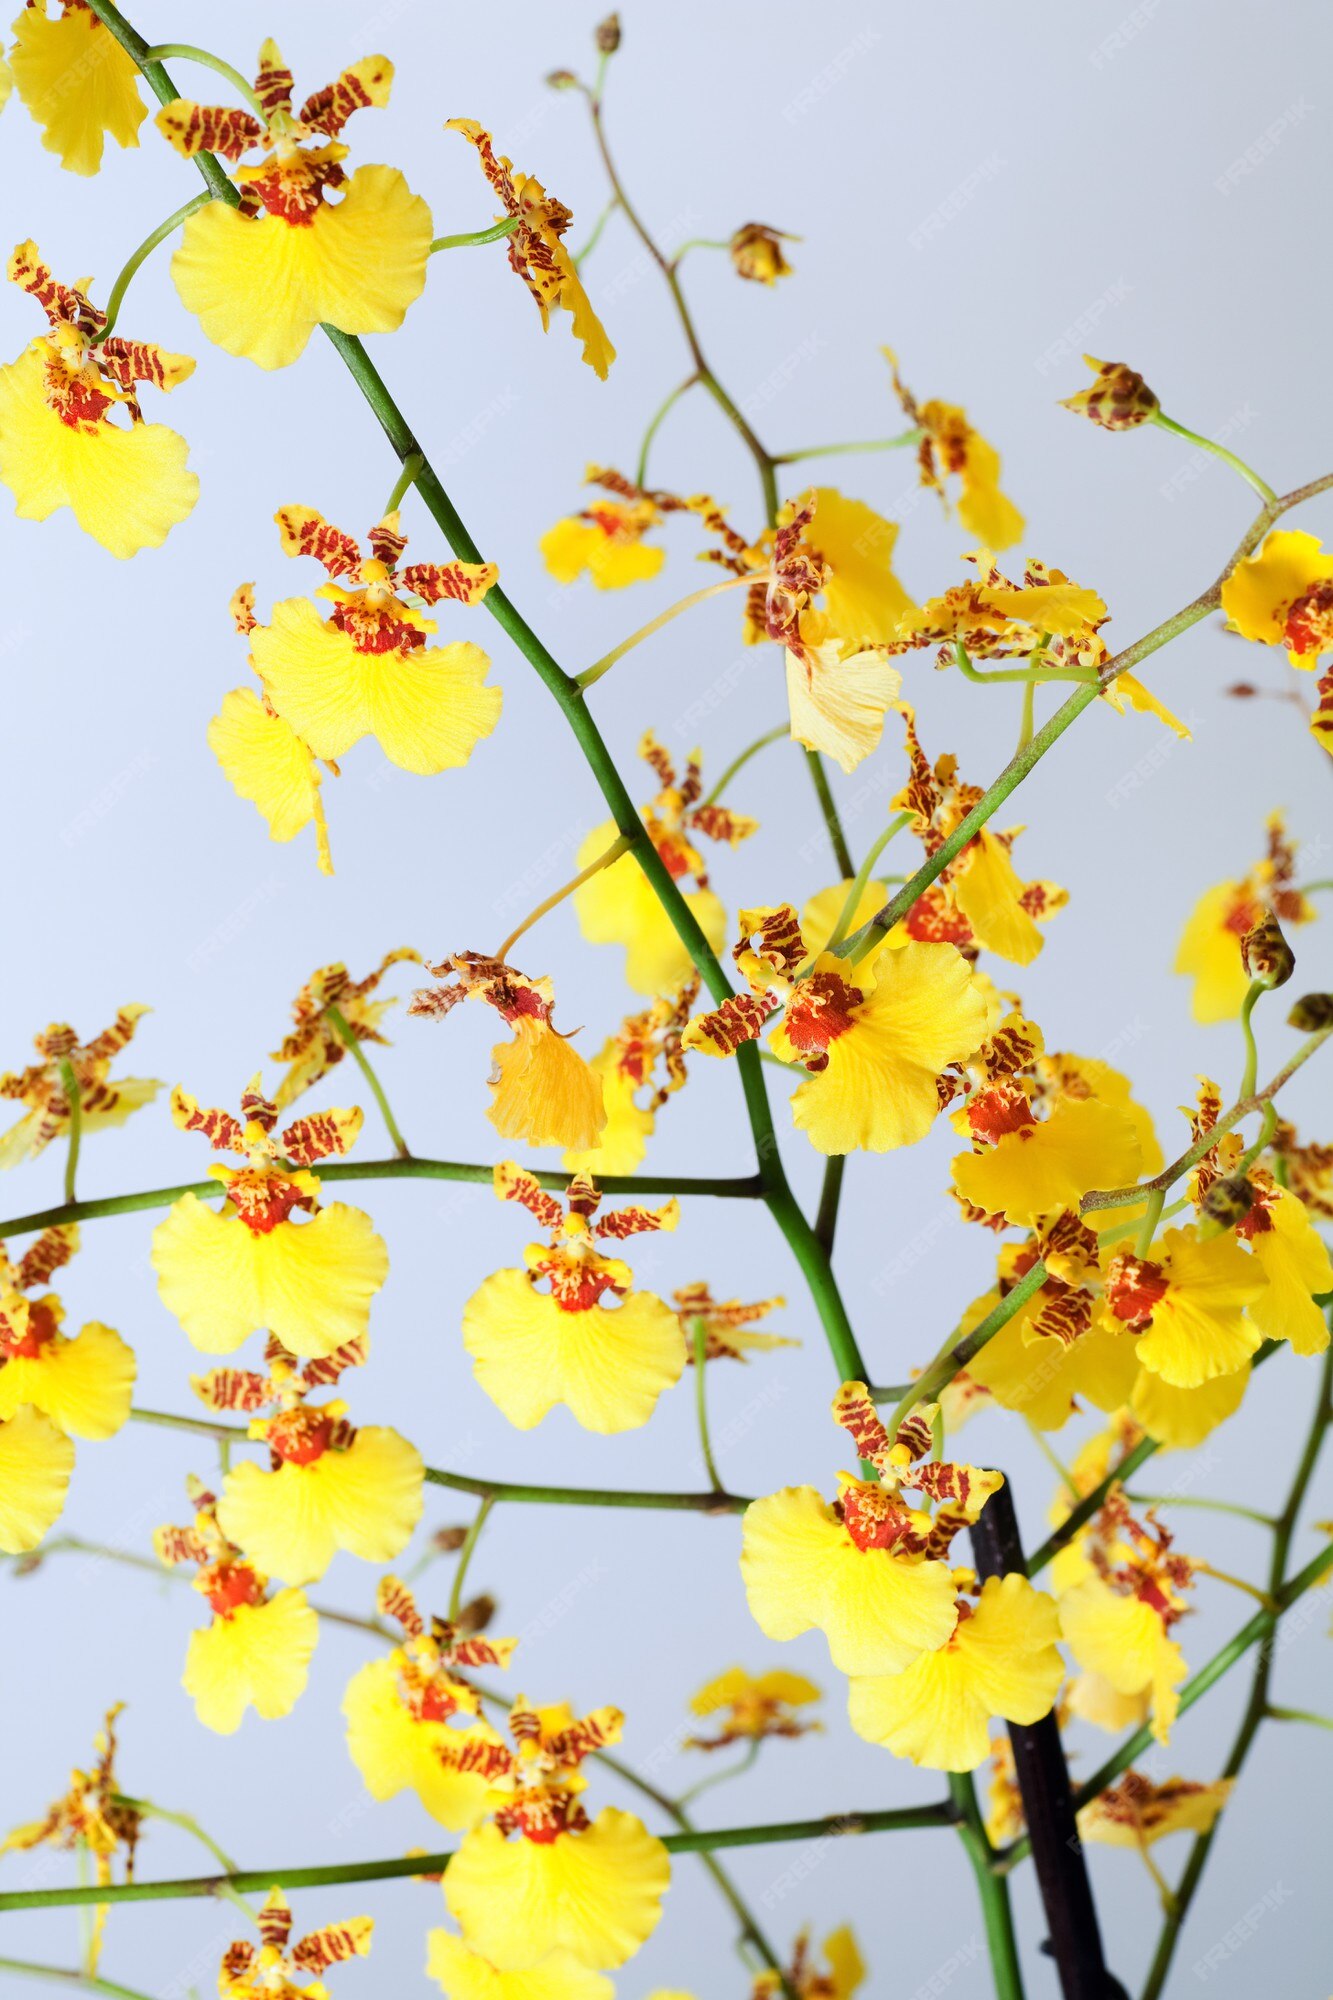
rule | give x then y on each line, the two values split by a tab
409	1714
1118	398
589	1341
618	905
873	1036
43	1086
256	1650
757	254
535	249
628	1065
541	1876
225	1272
329	1485
261	277
542	1090
1120	1613
949	446
726	1324
274	1969
76	81
83	1384
92	1818
125	483
606	539
314	1046
1210	945
753	1706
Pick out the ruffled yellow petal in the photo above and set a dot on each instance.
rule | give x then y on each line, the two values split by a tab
584	323
608	1365
36	1461
127	486
1180	1419
1127	692
396	1752
801	1569
838	704
819	916
1296	1264
77	82
428	709
1262	588
1092	1699
1043	1378
1123	1640
258	1657
1200	1328
619	906
466	1975
260	286
864	600
622	1143
84	1385
613	562
1001	1660
1046	1167
1209	954
982	509
292	1521
597	1895
923	1010
988	891
266	762
310	1283
543	1091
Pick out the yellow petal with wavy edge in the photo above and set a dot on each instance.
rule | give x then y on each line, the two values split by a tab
1201	1328
838	704
260	286
1296	1264
84	1385
258	1657
1111	1086
597	1894
1180	1419
292	1521
1042	1378
1043	1168
1123	1640
987	891
1092	1698
126	487
542	1090
310	1283
466	1975
77	82
801	1569
864	600
265	762
132	1093
1125	691
428	709
36	1461
620	906
982	509
396	1752
585	325
819	916
922	1011
608	1365
1002	1660
1209	954
1262	588
622	1143
572	546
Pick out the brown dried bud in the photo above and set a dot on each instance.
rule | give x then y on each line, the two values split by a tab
756	252
1266	955
476	1616
562	79
1118	399
1312	1012
1229	1200
448	1540
606	35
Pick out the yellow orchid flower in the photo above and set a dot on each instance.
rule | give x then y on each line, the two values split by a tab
541	1876
261	277
607	1362
542	1090
1188	1301
627	1065
404	1711
1001	1659
93	1818
950	447
314	1046
76	81
103	1100
727	1324
256	1650
536	251
1025	1167
757	254
225	1272
330	1485
1119	1613
275	1969
1282	595
83	1384
839	1978
1210	944
607	538
465	1975
126	483
753	1706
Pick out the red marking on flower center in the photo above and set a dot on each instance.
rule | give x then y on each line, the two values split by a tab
935	919
263	1198
227	1586
1134	1289
542	1817
821	1008
1002	1109
42	1330
872	1518
293	190
1309	625
376	628
1242	915
299	1437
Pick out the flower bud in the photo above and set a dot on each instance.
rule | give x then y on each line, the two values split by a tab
1117	399
606	35
1312	1012
561	79
476	1615
448	1540
1230	1200
756	252
1266	955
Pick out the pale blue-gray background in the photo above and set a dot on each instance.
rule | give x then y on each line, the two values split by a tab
991	192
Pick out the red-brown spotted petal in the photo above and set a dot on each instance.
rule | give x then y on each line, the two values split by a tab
305	532
209	128
514	1183
453	582
273	84
242	608
275	1920
853	1409
720	823
322	1134
53	1248
256	1108
232	1389
319	1374
720	1033
623	1222
350	1939
394	1600
774	935
365	82
222	1130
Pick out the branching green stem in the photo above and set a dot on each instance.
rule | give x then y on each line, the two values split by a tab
159	235
495	234
347	1035
69	1083
187	52
1247	472
739	762
992	1888
954	1356
847	914
1250	1073
699	1342
839	450
465	1554
664	409
591	675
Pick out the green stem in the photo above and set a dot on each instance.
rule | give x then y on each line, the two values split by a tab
342	1027
838	450
1025	676
954	1356
597	228
1299	1715
700	243
470	1541
1027	716
1152	1215
992	1888
823	792
739	762
404	482
609	855
830	1194
699	1342
591	675
847	914
187	52
1247	472
730	1771
1089	1505
89	1981
69	1083
186	1823
475	238
1250	1074
117	293
641	469
1208	1506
